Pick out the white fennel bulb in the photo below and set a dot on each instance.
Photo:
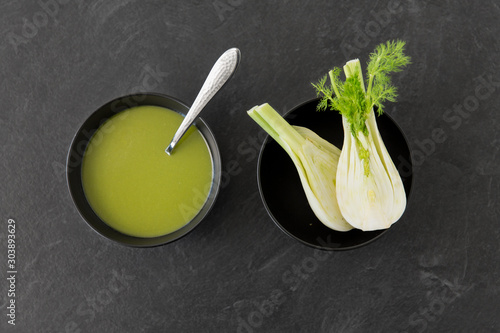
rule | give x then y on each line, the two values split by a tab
370	191
315	160
368	201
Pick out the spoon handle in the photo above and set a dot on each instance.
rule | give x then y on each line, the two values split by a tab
221	72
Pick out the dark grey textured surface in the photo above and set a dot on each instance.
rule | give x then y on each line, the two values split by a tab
437	270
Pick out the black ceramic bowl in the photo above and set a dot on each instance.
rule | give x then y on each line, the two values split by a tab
82	138
282	192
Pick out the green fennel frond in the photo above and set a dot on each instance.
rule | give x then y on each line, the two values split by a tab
352	104
325	93
387	58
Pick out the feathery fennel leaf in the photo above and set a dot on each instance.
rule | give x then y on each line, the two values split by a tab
350	98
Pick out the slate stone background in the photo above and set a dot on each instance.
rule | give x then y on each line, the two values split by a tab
436	270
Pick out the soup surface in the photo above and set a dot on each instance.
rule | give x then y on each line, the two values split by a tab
133	185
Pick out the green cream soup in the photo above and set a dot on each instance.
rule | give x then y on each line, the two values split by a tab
133	185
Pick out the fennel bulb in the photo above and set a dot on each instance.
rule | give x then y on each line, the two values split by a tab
370	192
315	160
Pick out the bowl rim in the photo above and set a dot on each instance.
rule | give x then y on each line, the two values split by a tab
133	241
283	229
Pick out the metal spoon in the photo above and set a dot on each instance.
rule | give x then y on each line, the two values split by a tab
221	72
